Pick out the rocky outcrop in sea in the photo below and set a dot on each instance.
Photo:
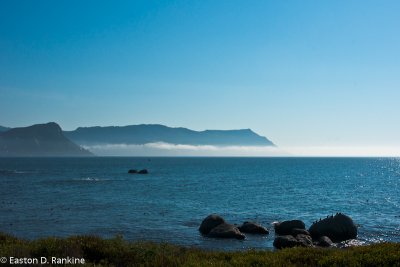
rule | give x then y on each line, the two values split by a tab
292	233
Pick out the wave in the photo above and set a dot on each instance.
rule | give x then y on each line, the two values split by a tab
93	179
10	172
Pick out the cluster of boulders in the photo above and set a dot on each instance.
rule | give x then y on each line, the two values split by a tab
291	234
133	171
322	233
215	226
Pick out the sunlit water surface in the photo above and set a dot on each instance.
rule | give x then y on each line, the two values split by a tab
69	196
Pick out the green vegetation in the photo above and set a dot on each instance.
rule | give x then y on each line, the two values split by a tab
118	252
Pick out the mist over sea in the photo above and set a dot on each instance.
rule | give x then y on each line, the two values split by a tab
43	197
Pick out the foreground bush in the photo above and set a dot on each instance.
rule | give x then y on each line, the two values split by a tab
118	252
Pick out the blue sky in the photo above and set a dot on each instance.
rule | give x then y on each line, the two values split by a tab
302	73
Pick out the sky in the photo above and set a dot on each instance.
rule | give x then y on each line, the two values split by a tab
313	75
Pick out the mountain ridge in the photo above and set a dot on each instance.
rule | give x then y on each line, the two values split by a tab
38	140
151	133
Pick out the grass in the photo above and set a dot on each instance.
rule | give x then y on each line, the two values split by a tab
119	252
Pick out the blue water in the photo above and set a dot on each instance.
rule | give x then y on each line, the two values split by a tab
68	196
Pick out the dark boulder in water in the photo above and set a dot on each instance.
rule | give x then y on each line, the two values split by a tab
253	228
297	231
324	241
304	240
226	230
286	227
132	171
338	228
289	241
286	241
210	222
144	171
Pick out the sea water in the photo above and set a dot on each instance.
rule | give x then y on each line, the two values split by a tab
42	197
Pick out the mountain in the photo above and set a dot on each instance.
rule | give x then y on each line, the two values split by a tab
3	129
151	133
38	140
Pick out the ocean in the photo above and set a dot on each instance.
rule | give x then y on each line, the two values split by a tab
43	197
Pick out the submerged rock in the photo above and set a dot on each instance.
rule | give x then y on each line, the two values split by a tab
226	230
286	227
338	228
253	228
210	222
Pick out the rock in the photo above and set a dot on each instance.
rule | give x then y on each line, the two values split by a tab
253	228
226	230
298	231
324	241
132	171
338	228
286	241
304	240
144	171
210	222
289	241
286	227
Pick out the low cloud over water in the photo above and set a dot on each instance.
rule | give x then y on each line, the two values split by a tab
167	149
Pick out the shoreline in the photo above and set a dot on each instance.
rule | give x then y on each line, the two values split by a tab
119	252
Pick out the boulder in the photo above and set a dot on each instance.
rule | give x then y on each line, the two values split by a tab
210	222
286	241
253	228
338	228
289	241
286	227
226	230
304	240
132	171
324	241
297	231
144	171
